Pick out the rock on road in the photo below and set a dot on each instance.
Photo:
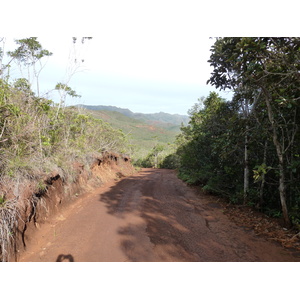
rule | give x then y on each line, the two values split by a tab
151	216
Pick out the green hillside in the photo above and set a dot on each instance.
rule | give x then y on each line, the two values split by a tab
141	135
160	119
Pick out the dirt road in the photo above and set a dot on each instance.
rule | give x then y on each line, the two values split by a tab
149	217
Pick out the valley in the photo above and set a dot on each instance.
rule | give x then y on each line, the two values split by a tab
143	131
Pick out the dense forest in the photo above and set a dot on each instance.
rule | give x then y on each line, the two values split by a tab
248	149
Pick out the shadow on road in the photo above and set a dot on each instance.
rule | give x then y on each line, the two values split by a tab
65	258
158	197
124	196
165	220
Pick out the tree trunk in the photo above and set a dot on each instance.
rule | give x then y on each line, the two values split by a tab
246	166
280	155
155	161
263	178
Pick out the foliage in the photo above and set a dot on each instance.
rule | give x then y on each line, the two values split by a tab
32	132
154	158
65	88
171	161
35	140
207	156
29	54
38	136
29	51
141	135
244	148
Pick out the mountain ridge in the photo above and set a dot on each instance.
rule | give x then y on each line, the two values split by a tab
142	135
151	118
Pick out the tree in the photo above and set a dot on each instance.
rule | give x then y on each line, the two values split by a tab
208	146
64	91
268	67
4	66
29	53
155	153
75	63
242	98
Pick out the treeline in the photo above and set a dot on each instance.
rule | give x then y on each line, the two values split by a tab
248	149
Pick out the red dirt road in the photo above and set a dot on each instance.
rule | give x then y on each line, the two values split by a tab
151	216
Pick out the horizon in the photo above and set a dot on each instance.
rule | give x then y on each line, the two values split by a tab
141	78
156	76
135	112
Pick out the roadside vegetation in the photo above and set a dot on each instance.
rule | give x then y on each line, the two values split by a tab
248	149
38	136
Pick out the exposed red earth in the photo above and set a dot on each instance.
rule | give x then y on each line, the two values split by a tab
150	216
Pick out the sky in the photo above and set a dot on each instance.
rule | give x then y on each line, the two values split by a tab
148	59
147	56
148	74
145	73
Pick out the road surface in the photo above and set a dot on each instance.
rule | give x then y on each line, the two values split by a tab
151	216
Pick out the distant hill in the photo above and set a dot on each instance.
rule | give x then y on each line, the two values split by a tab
138	130
154	119
144	131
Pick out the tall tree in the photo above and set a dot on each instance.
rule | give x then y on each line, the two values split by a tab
29	53
269	66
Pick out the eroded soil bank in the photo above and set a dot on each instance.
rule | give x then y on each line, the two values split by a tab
37	208
149	216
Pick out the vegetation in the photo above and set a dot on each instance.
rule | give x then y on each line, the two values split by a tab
38	136
144	136
247	149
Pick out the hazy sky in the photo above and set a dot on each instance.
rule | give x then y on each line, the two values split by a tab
148	56
145	56
145	73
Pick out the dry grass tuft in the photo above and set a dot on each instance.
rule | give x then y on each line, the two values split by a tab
8	220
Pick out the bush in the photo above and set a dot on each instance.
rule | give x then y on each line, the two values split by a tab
172	161
37	137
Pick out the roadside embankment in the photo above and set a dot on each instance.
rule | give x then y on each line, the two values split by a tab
33	201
